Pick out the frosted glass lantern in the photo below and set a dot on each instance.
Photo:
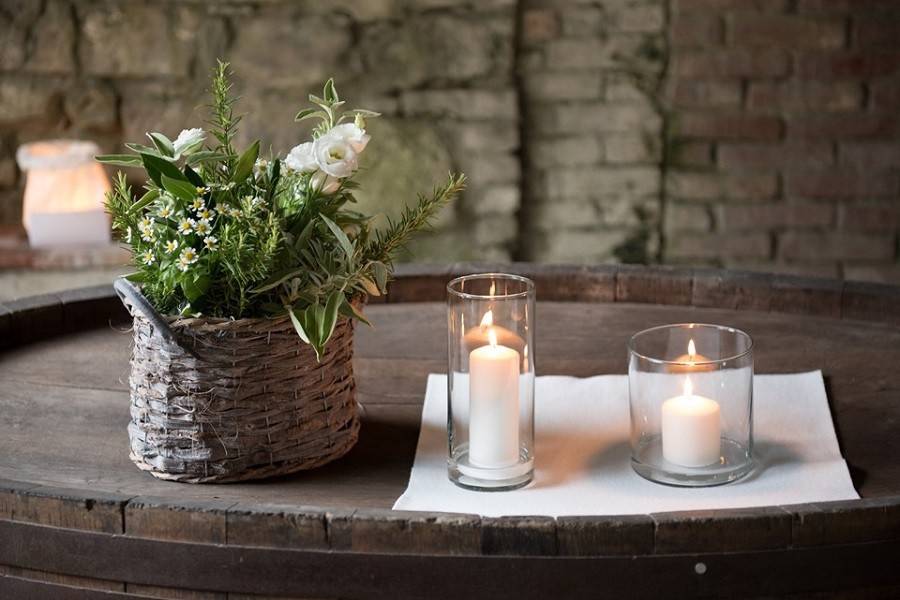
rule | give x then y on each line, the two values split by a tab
64	194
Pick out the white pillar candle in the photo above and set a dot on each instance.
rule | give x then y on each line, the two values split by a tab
493	405
691	429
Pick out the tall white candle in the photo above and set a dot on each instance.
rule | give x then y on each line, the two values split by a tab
691	429
493	405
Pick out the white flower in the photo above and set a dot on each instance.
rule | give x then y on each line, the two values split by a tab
302	158
171	246
335	155
188	257
202	227
235	212
147	257
353	134
188	140
326	184
165	211
148	235
206	213
211	242
128	235
145	224
198	203
259	167
186	226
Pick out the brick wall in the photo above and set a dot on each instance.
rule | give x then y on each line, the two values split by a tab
743	133
783	143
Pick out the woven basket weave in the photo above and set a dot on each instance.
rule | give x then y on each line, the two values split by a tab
238	399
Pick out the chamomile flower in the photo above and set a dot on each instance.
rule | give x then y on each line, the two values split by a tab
148	235
171	246
202	227
211	242
147	257
206	213
201	190
186	226
165	211
145	224
235	212
187	258
198	203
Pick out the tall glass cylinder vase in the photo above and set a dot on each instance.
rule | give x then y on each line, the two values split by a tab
490	381
690	388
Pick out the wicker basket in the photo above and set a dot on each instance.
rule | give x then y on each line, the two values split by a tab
234	400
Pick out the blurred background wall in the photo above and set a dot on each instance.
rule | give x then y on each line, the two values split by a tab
758	134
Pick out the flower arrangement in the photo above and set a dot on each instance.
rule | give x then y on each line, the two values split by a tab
222	233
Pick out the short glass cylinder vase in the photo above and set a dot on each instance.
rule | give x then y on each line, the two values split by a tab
490	381
690	389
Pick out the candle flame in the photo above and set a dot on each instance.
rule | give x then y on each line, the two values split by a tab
492	337
692	349
493	288
688	387
488	319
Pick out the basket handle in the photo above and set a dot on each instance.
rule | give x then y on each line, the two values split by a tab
134	300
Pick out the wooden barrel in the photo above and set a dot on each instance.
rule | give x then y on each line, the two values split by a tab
77	520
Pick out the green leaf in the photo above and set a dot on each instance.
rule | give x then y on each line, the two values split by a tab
381	274
363	112
370	286
137	277
310	113
145	200
332	305
142	149
349	310
245	163
193	176
298	325
180	189
329	92
342	238
206	156
191	290
156	167
162	143
121	160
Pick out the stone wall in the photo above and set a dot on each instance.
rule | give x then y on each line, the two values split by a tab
784	136
746	133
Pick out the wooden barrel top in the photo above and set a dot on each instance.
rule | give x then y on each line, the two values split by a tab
67	487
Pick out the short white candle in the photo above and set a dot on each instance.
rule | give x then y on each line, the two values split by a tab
493	405
691	429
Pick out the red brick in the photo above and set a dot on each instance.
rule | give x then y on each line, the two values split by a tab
851	125
752	156
723	5
695	29
689	153
719	246
846	6
847	65
756	63
840	183
736	217
787	31
870	217
885	94
733	126
539	25
698	93
757	187
870	155
869	31
804	96
796	245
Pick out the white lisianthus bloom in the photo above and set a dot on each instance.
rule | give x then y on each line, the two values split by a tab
302	158
188	140
326	184
335	155
353	134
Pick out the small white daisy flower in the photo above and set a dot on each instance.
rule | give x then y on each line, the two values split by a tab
211	242
201	190
145	224
235	212
186	226
165	211
148	235
206	213
198	203
128	235
188	257
202	227
171	246
147	257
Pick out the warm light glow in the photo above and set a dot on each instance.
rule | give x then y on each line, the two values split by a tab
493	288
688	387
64	193
692	349
488	319
492	337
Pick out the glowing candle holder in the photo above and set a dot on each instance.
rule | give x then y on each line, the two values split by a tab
490	411
64	194
690	388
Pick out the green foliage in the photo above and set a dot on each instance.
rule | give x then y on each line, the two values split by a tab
226	234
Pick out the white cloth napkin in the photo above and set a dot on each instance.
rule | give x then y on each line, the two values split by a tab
583	467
